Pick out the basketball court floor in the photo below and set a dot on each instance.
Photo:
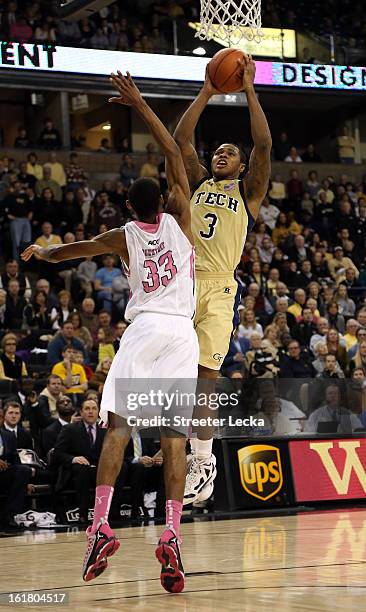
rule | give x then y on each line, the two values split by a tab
309	561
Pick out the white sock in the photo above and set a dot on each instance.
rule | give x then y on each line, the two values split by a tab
193	444
203	448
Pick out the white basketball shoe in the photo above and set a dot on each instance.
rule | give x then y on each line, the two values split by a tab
201	473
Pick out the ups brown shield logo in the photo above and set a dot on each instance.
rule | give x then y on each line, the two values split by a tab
260	470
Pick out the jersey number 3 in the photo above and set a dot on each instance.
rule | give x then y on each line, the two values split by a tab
211	226
154	278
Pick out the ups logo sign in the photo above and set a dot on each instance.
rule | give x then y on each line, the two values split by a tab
260	470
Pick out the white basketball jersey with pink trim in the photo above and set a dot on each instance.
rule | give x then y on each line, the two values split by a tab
161	269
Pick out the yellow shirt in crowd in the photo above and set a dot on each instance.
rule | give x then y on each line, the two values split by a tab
77	374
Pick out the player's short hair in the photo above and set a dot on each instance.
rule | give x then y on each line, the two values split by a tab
144	196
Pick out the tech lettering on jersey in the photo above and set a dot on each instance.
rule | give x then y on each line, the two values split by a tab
217	199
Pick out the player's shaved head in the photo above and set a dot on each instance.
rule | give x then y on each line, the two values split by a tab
145	198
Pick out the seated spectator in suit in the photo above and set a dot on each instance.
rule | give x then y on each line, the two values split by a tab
1	416
11	366
145	473
77	453
65	414
72	375
12	417
65	337
233	362
14	478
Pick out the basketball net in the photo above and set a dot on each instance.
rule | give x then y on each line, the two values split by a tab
230	21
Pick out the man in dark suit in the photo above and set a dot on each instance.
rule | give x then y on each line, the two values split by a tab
12	416
77	451
50	434
144	473
14	478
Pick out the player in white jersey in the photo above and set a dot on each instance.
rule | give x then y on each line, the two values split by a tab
157	252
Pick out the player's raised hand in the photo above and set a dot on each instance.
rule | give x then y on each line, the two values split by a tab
35	250
208	85
129	93
247	65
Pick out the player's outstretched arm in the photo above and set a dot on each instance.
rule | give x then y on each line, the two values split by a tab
184	132
256	181
113	241
179	205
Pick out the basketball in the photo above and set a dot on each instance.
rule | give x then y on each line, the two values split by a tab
225	72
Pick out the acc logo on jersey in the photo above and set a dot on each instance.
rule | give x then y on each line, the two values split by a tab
260	470
153	242
229	186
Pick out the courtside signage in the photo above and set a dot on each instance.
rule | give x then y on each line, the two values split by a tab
328	469
97	62
260	470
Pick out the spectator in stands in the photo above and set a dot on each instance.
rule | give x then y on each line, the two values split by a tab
334	318
72	375
346	306
346	147
66	336
282	147
14	479
311	155
12	417
350	337
65	308
150	168
329	194
293	156
103	282
297	364
299	302
281	230
277	192
77	452
275	422
128	170
144	472
332	368
339	262
322	328
43	285
120	293
119	330
47	238
295	189
332	411
105	212
99	377
359	360
14	306
26	180
105	343
20	31
22	141
82	333
45	33
57	169
99	40
360	335
75	173
320	351
88	318
48	183
12	272
104	146
37	315
20	215
3	296
305	329
65	412
86	272
269	212
49	137
46	407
